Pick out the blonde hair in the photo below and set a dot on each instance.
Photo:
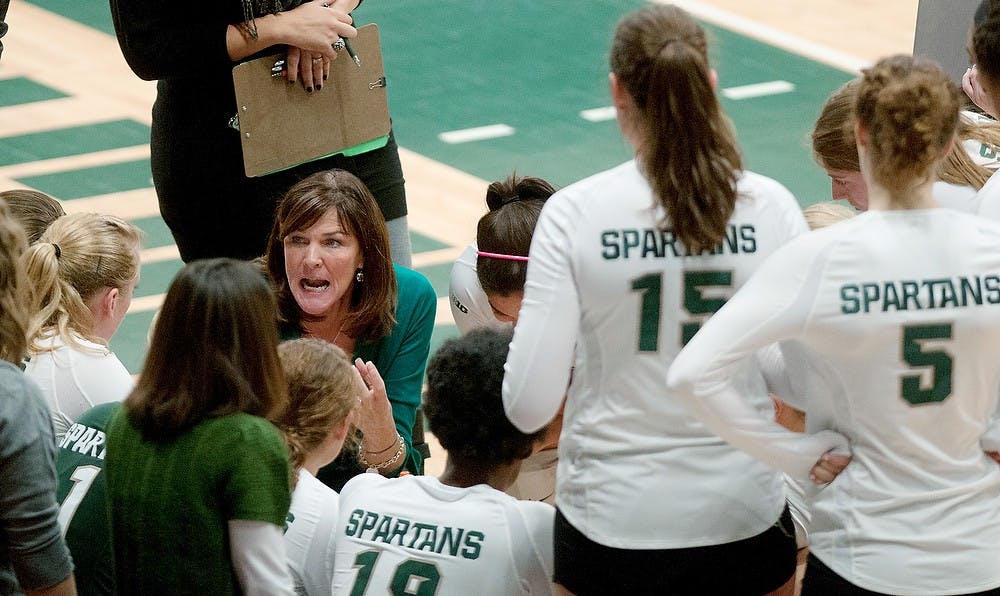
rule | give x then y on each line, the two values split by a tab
322	394
909	108
821	215
958	166
689	152
35	210
78	255
14	313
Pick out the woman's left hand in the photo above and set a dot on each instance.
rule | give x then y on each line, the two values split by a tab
313	68
375	411
829	466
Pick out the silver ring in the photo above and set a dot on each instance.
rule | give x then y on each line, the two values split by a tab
318	59
339	45
326	5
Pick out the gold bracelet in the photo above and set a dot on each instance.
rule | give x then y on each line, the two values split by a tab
391	445
377	468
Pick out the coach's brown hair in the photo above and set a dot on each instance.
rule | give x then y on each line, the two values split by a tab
213	351
688	151
373	302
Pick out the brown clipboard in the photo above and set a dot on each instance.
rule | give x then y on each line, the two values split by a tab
282	126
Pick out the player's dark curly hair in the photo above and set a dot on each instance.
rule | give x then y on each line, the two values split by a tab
463	403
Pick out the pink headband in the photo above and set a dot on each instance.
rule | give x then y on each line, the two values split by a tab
495	255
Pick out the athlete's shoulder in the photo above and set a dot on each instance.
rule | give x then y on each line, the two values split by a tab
765	192
536	511
619	179
361	483
99	416
239	431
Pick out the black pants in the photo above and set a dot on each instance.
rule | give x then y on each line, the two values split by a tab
820	580
214	210
751	567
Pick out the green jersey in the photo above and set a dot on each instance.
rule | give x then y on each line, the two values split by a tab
171	501
83	501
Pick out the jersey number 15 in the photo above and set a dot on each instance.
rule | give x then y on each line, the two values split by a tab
695	303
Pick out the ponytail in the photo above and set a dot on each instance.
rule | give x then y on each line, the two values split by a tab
688	152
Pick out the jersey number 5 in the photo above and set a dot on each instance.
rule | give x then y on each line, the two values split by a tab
910	386
695	303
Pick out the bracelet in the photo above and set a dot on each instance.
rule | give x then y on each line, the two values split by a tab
376	468
393	444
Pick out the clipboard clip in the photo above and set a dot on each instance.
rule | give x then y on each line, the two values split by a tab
379	82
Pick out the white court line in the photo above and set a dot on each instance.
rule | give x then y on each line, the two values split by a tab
159	254
599	114
479	133
146	303
771	36
758	90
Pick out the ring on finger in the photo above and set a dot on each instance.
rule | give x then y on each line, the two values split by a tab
318	59
339	45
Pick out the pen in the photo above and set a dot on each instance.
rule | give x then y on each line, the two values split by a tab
343	44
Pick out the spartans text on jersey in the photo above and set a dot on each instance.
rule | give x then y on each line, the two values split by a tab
650	243
924	294
84	439
376	527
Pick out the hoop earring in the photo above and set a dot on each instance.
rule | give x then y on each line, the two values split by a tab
359	275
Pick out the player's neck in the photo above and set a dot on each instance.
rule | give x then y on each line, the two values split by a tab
463	473
918	196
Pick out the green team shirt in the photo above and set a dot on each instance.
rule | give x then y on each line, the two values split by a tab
82	496
170	502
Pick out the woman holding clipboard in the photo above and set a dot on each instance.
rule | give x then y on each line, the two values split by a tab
212	208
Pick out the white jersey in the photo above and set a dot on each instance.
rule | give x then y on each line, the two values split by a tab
898	313
74	380
469	306
309	536
981	153
636	470
416	535
956	196
989	198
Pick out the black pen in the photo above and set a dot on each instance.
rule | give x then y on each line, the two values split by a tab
346	45
343	44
